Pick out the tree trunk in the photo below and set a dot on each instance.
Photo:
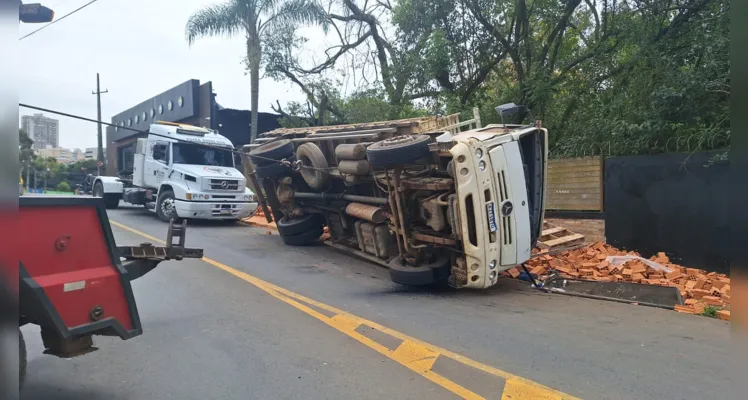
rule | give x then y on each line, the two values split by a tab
254	56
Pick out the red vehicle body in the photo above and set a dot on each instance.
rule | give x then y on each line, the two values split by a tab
74	280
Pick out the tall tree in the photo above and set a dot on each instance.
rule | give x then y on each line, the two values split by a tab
257	20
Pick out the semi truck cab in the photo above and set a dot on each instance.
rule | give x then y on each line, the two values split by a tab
182	171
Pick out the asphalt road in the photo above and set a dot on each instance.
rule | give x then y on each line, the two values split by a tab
259	320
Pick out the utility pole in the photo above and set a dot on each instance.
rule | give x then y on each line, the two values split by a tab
98	93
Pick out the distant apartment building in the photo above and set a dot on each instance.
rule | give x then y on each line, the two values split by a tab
44	131
62	155
91	153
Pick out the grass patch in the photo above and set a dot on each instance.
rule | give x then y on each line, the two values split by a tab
710	311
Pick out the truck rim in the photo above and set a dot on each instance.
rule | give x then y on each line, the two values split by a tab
167	206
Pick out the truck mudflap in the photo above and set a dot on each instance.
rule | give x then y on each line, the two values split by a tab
73	280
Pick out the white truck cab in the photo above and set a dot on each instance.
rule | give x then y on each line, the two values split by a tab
182	171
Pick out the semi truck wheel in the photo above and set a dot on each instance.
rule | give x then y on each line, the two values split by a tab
426	274
271	152
304	238
110	200
398	150
21	359
289	227
166	207
311	156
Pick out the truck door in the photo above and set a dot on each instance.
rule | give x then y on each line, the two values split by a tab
156	163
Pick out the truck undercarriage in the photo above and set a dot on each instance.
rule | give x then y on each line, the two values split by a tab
433	204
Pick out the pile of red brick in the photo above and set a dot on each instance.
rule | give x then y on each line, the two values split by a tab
698	288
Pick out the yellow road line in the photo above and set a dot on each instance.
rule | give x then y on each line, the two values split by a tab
414	354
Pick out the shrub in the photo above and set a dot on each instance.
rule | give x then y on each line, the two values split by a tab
63	187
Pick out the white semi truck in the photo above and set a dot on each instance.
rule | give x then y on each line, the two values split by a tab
182	171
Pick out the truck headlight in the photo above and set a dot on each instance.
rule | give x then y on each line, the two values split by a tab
492	275
492	264
482	165
197	196
478	153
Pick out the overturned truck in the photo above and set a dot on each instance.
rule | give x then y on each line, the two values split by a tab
433	199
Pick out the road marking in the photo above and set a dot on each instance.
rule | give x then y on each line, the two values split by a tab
414	354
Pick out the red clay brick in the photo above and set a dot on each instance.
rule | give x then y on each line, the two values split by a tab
723	315
684	309
699	293
711	300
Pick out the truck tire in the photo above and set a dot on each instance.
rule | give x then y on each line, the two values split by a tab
398	150
270	152
166	206
303	239
434	273
110	200
311	156
21	359
290	227
274	169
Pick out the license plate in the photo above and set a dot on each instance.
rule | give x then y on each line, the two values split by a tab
490	210
226	211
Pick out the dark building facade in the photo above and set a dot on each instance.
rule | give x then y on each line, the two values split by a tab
189	103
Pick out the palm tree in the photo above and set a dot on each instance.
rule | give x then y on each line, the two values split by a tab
256	19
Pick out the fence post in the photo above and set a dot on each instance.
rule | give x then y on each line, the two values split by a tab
476	116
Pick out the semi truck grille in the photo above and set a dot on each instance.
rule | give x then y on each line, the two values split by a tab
506	221
224	184
219	210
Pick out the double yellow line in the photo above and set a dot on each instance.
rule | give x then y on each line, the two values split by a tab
414	354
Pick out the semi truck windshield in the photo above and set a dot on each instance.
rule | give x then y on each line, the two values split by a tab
188	153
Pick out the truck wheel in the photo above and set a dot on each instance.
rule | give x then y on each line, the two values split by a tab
303	239
275	169
166	207
98	190
398	150
21	359
270	152
289	227
111	201
433	273
311	156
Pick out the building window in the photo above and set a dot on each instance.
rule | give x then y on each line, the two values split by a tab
180	101
145	117
129	122
137	119
170	105
160	108
153	113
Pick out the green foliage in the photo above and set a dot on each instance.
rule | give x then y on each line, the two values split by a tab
63	187
710	311
608	78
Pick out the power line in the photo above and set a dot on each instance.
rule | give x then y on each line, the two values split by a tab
59	19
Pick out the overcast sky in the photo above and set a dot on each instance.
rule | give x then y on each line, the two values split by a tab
139	48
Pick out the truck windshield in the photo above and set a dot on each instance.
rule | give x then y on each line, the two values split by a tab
188	153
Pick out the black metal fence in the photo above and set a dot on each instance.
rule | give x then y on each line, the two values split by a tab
676	203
